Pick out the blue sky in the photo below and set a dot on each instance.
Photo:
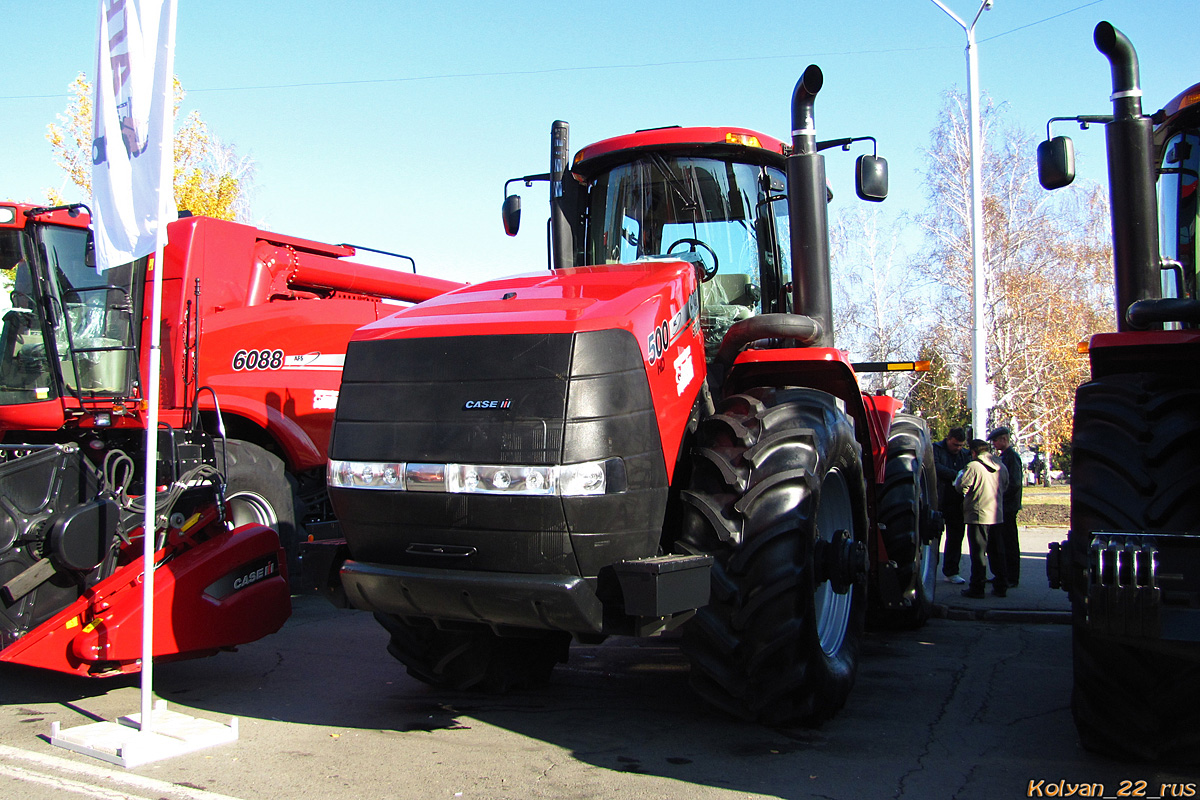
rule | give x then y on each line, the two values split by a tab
395	124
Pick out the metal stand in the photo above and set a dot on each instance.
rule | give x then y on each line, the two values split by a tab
124	743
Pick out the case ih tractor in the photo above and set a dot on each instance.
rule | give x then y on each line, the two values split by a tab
273	314
1131	562
657	433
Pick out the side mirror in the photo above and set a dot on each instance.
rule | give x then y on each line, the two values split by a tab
512	214
871	178
1056	162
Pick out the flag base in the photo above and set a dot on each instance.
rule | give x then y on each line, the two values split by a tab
123	743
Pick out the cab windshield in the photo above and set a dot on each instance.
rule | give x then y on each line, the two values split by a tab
67	329
712	212
1177	199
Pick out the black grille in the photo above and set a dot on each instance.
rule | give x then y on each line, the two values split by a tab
536	399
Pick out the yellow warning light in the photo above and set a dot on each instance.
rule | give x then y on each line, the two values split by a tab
745	139
1191	98
1083	348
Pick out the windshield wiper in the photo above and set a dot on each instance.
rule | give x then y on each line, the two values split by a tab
681	187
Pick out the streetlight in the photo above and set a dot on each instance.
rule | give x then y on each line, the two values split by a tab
981	390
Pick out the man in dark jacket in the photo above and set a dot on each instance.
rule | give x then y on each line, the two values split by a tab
1001	439
949	457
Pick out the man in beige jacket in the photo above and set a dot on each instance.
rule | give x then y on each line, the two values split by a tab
982	483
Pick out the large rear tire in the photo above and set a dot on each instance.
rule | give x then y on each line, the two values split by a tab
258	492
777	496
906	507
475	659
1134	469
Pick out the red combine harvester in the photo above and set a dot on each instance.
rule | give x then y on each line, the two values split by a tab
273	314
657	433
1131	562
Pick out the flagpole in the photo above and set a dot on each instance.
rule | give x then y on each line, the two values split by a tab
165	188
134	116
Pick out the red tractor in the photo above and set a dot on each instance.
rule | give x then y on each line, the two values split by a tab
657	433
254	326
1131	562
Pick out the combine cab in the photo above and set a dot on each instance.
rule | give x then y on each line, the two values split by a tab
657	433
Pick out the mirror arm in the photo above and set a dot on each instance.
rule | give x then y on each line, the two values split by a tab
845	143
527	180
1085	121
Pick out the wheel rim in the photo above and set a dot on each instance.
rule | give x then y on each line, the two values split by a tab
251	508
832	610
927	575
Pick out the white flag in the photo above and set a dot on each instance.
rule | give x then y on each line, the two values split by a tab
133	149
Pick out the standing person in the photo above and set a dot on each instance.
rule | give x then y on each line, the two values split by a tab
1001	439
950	456
982	483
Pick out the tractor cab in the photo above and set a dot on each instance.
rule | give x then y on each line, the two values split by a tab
721	208
67	329
715	197
1178	140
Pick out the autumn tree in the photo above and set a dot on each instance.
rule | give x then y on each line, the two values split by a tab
210	178
1046	262
938	395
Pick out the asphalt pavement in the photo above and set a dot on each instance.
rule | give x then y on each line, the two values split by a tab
975	705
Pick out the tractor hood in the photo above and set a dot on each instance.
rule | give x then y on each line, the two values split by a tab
635	297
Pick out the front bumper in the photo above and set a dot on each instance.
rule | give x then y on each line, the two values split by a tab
644	596
551	602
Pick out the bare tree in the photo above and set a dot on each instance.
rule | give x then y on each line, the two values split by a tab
1045	261
879	303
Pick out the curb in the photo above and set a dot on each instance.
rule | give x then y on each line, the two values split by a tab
1018	615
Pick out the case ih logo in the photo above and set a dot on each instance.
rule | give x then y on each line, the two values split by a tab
244	577
472	404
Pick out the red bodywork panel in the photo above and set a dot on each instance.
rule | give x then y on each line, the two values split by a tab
62	217
641	298
1143	351
659	138
101	632
275	312
1102	341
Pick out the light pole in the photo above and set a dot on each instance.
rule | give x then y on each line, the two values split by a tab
981	390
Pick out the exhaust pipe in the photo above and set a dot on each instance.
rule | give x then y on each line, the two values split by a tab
561	240
1131	178
808	212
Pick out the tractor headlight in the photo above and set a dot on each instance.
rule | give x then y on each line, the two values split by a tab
568	480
